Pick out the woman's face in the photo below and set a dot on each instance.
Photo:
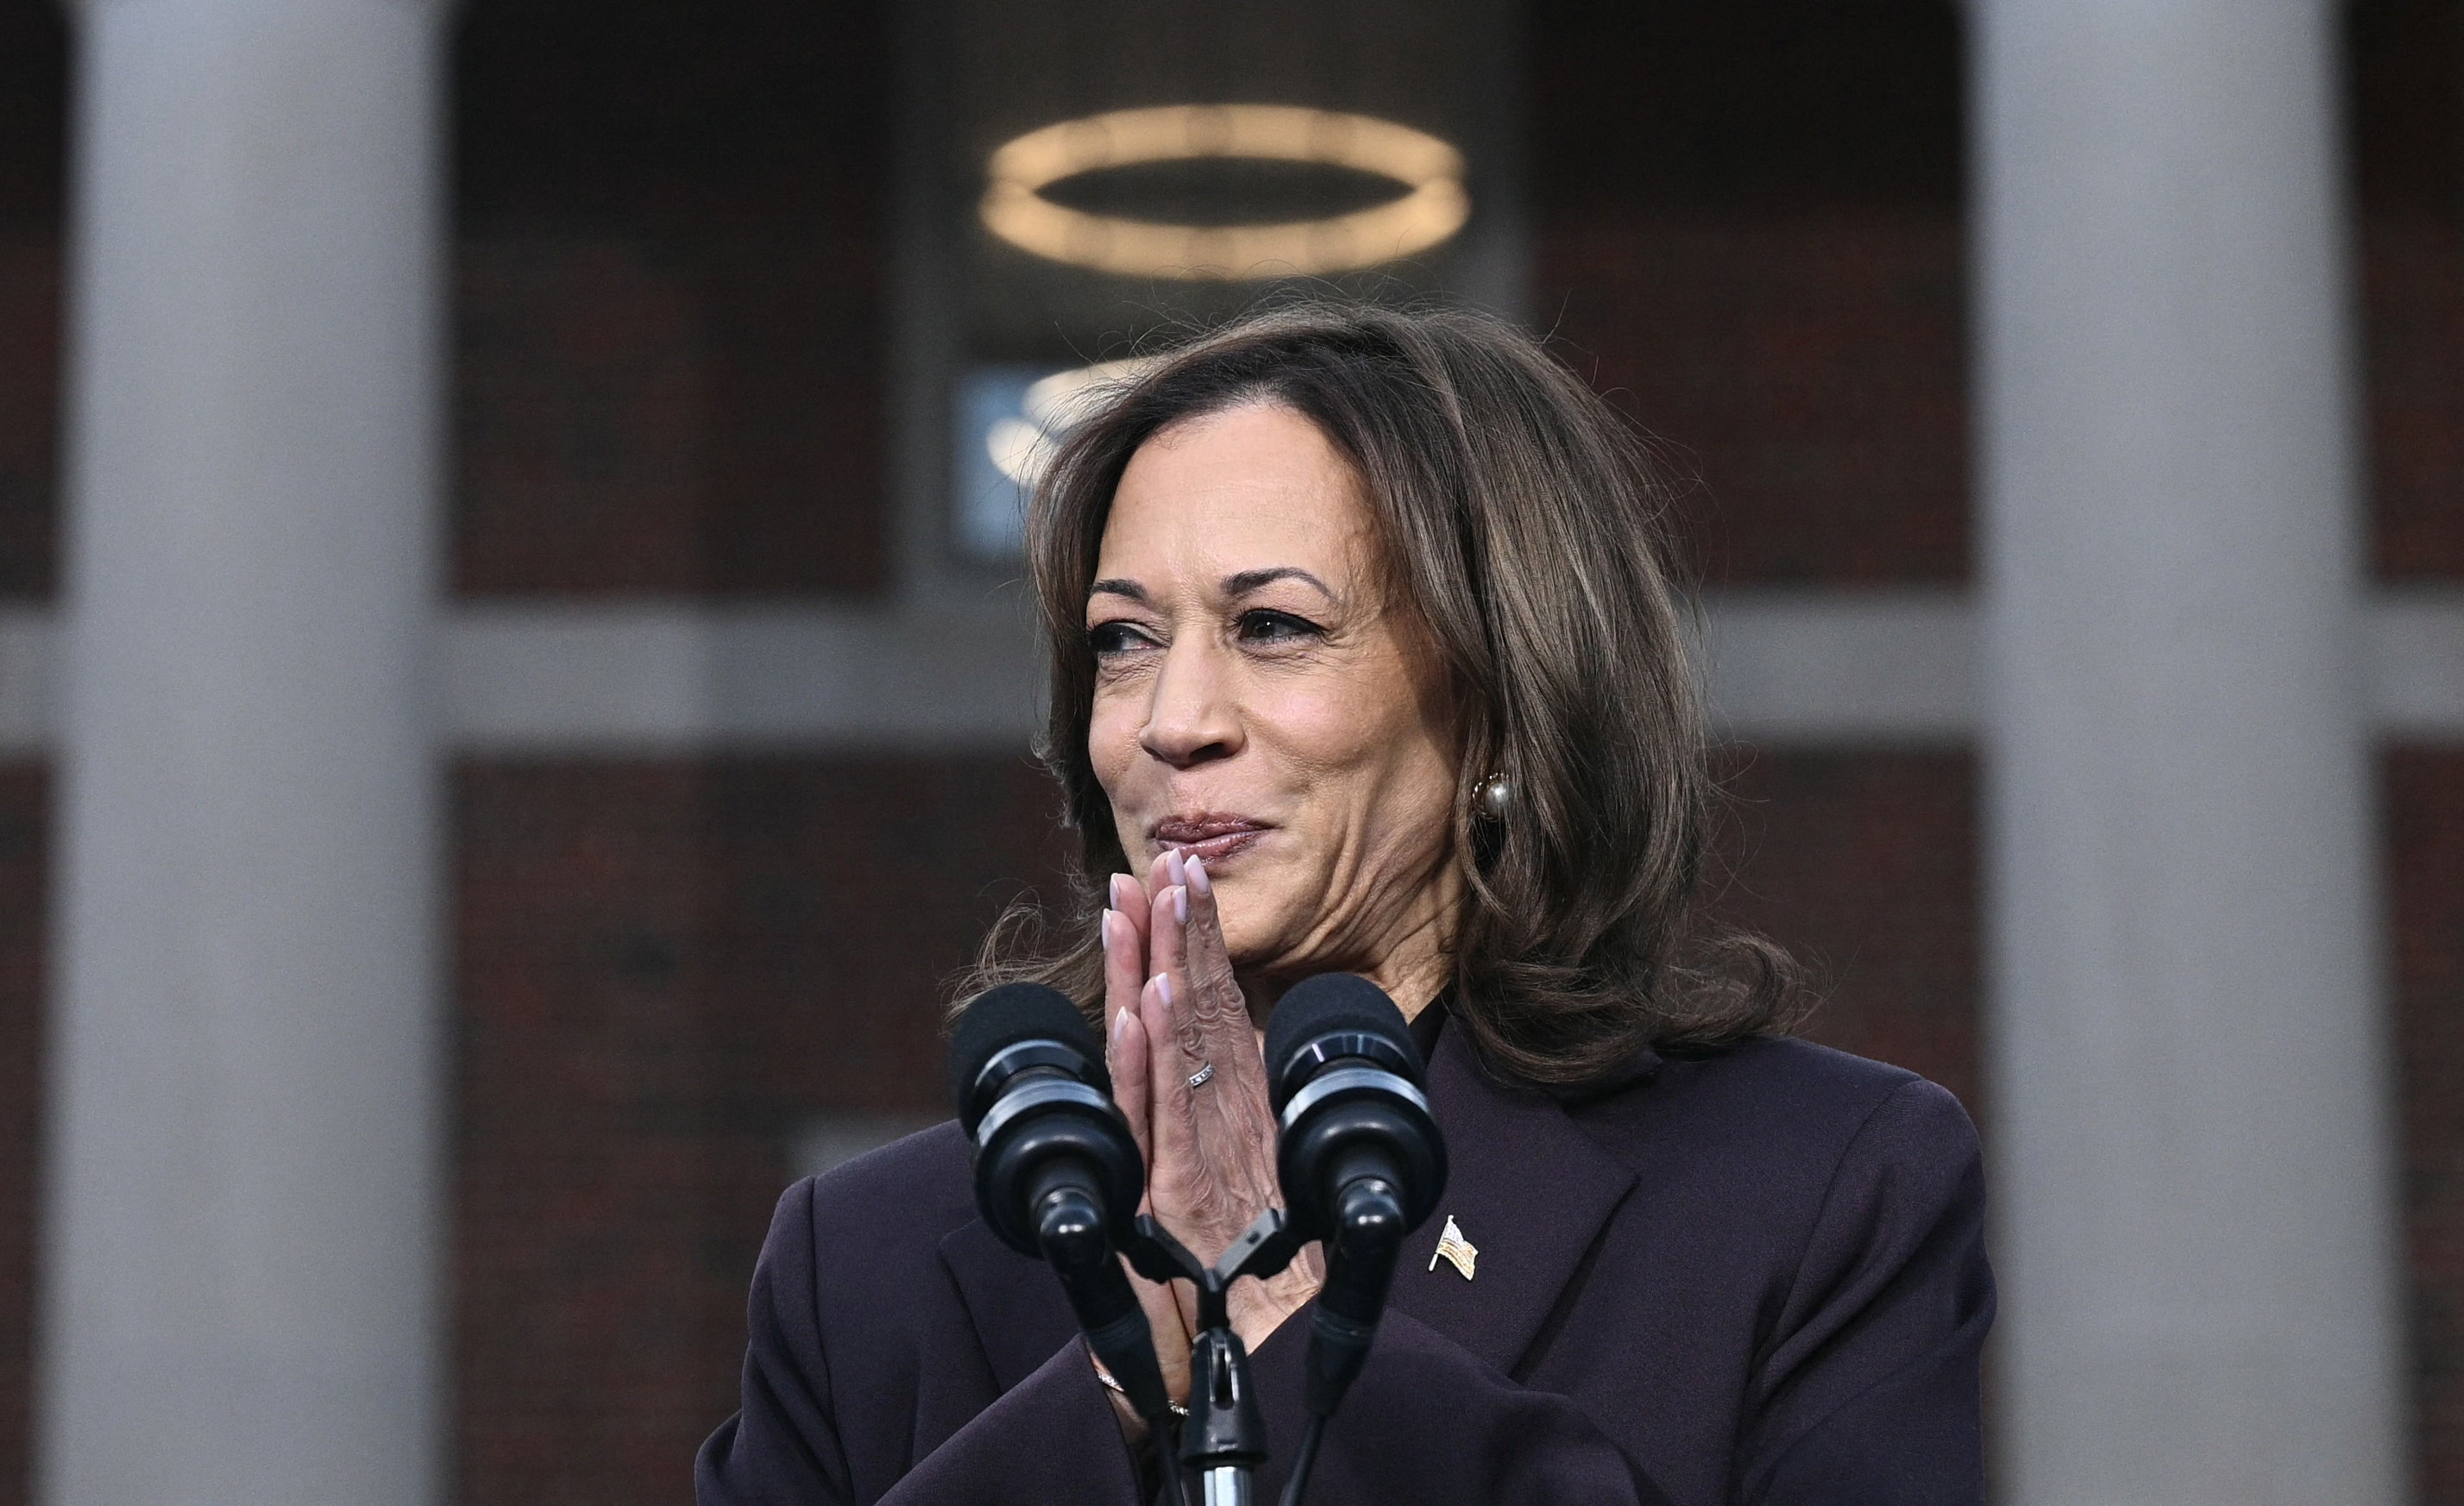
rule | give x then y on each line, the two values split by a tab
1260	705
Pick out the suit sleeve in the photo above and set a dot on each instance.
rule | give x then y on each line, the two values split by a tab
1868	1389
1051	1438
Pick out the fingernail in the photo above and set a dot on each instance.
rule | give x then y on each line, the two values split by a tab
1103	929
1120	1023
1173	867
1119	902
1197	879
1181	905
1163	989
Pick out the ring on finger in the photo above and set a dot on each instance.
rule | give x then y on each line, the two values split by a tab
1205	1075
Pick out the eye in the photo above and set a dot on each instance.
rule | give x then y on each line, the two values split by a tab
1114	638
1265	625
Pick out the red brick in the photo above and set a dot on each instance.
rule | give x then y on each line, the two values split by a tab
1865	865
1805	370
2413	308
672	338
668	416
29	416
2424	804
23	805
658	970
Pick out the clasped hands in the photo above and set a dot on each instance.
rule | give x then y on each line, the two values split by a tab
1172	1010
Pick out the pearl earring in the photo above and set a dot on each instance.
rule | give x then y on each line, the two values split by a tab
1490	797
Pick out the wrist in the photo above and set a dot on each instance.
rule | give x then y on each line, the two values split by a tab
1119	1396
1263	1308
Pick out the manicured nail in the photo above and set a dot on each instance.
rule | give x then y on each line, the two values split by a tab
1173	867
1180	904
1163	989
1120	901
1103	929
1120	1023
1197	879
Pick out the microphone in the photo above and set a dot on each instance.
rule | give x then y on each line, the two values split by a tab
1057	1173
1361	1160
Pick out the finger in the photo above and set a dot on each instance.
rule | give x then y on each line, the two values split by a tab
1185	1304
1235	1124
1222	1011
1167	1327
1258	1308
1126	1055
1125	965
1130	899
1174	1143
1167	934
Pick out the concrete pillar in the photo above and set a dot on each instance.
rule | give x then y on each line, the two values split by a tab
2189	1106
243	1196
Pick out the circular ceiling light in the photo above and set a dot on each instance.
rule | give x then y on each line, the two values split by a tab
1433	207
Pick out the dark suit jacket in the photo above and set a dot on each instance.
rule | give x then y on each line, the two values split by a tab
1757	1277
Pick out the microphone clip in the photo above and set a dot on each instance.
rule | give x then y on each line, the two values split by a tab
1262	1250
1226	1434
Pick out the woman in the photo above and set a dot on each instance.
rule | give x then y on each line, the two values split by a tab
1366	656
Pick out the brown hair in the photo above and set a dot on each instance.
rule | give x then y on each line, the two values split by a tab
1524	522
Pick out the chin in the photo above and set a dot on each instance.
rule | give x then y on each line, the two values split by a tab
1264	949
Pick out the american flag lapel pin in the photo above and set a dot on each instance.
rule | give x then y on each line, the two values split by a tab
1456	1251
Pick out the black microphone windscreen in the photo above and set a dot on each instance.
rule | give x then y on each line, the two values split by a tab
1329	1003
1001	1017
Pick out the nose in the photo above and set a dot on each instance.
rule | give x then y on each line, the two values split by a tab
1192	718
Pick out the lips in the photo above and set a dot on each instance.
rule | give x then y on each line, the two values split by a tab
1209	838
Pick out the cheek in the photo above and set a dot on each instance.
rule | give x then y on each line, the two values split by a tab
1362	725
1389	770
1112	740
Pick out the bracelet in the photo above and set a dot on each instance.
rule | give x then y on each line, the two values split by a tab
1115	1388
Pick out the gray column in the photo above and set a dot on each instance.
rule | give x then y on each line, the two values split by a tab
242	1231
2189	1107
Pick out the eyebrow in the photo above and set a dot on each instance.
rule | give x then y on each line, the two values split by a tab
1240	584
1249	581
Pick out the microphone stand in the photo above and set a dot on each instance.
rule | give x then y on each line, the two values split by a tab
1225	1437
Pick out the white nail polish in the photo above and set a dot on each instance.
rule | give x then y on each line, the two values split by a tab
1180	904
1163	989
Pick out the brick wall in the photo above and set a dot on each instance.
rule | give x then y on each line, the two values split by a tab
23	801
1865	864
2424	805
33	127
2406	87
671	233
660	969
1750	235
34	88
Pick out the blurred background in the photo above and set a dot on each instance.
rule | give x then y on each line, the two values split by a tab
729	686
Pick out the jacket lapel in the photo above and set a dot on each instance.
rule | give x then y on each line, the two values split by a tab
1525	1187
1020	1311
